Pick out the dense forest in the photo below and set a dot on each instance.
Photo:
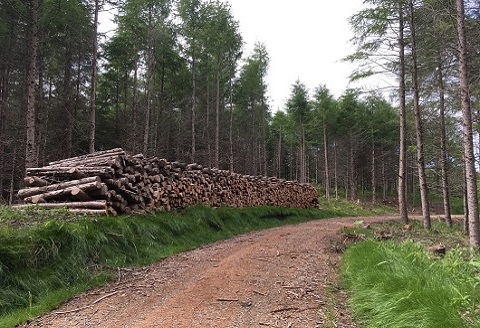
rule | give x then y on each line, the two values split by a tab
172	80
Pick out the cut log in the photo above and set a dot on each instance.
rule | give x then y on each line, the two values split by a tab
97	204
98	154
23	193
79	194
63	192
35	182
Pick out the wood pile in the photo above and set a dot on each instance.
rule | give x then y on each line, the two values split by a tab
113	182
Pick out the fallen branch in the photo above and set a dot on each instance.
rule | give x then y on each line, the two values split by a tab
259	293
227	299
285	309
90	305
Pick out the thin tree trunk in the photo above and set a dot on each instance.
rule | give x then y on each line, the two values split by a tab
134	106
335	173
194	110
422	178
67	101
148	105
217	120
402	166
469	159
230	131
30	149
443	149
12	177
93	90
301	154
327	173
207	123
384	178
374	176
352	169
279	154
264	137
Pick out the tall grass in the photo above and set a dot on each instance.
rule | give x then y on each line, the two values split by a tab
47	257
399	285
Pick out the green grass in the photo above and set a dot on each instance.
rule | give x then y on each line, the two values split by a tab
47	257
347	208
398	284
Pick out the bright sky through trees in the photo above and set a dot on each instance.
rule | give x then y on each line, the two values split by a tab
305	39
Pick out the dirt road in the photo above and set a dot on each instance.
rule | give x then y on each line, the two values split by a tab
281	277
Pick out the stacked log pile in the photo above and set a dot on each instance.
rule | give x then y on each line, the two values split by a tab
113	182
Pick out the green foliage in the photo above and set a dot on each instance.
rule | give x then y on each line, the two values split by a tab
396	284
46	261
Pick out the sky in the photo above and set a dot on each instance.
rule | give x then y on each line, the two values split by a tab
305	39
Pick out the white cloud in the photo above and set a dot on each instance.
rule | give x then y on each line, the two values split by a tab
305	39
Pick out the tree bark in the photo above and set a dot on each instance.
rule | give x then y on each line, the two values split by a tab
93	90
422	178
352	170
335	170
30	149
443	149
134	106
67	101
468	150
194	105
217	119
230	129
327	172
374	174
150	67
27	192
402	166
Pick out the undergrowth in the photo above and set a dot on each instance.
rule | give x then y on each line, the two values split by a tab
398	284
46	257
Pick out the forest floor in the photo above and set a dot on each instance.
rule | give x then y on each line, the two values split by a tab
280	277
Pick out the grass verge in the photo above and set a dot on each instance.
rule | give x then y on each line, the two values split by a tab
397	283
47	257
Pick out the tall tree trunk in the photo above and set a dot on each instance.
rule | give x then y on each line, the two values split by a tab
469	158
30	149
148	105
134	106
335	165
327	172
40	107
12	177
279	154
67	101
230	130
384	178
207	124
194	110
217	120
352	171
374	176
264	137
402	166
443	149
93	90
422	177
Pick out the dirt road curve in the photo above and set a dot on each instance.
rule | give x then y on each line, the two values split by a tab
282	277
